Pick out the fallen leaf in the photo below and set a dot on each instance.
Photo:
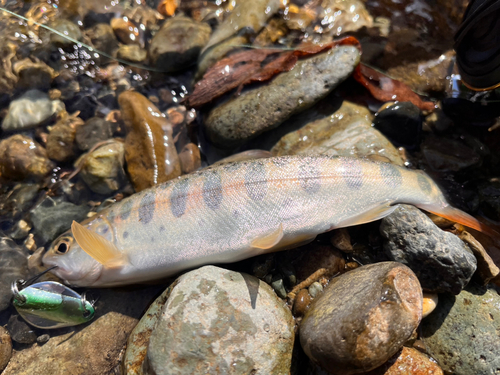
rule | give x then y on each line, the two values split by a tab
386	89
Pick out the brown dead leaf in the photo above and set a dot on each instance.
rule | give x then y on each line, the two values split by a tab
387	89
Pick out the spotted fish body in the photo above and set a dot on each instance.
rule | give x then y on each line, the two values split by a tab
238	210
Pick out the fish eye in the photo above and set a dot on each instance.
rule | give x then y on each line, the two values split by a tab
62	247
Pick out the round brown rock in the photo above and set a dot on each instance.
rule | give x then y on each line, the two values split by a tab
362	318
5	348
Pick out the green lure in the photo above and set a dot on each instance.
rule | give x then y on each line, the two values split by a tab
51	305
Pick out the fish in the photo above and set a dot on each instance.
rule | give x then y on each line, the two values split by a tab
234	211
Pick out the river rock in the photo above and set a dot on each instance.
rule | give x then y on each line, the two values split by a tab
52	217
445	155
13	266
266	107
5	348
346	131
31	109
33	75
233	321
441	261
21	158
93	348
408	361
132	53
178	43
125	30
61	140
401	123
94	130
103	38
20	331
362	318
67	28
149	148
462	333
190	158
102	169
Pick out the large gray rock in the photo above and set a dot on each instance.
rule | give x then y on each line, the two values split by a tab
441	261
462	334
30	110
264	108
346	131
13	266
221	322
362	318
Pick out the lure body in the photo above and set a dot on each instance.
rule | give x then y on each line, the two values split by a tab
52	305
238	210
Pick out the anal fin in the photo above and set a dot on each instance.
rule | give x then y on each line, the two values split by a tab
270	240
375	213
99	248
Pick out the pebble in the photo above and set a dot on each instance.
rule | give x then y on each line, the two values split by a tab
401	123
178	43
5	348
20	331
315	256
346	131
302	302
33	75
103	38
190	158
445	155
30	110
61	140
362	318
94	348
149	148
21	158
67	28
278	285
52	217
255	111
408	361
233	321
132	53
441	261
103	169
42	339
341	239
94	130
125	31
315	289
430	303
462	333
13	266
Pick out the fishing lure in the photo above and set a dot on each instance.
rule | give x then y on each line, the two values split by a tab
50	305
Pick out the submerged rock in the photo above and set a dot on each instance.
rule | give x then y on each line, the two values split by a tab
5	348
31	109
102	169
132	53
266	107
346	131
103	38
190	158
362	318
462	333
402	123
33	75
448	154
149	148
178	43
94	130
21	158
67	28
20	331
441	261
61	140
232	320
13	266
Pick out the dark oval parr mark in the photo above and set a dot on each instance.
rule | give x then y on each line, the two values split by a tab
352	172
391	175
147	207
126	208
256	181
424	184
309	178
212	190
178	197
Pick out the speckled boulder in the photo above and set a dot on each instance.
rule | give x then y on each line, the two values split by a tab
441	261
232	321
462	334
362	318
253	112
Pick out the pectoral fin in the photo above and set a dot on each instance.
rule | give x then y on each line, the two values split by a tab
99	248
270	240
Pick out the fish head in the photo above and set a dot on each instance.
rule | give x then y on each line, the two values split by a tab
74	266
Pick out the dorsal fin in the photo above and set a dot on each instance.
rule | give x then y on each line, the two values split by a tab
99	248
270	240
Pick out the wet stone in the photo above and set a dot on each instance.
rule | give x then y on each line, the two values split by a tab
232	320
132	53
149	148
346	131
103	169
462	333
20	331
190	158
94	130
13	266
315	256
408	361
61	141
315	289
125	31
5	348
51	218
103	38
33	75
301	303
178	43
266	107
29	110
401	123
21	158
448	154
441	261
67	28
362	318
